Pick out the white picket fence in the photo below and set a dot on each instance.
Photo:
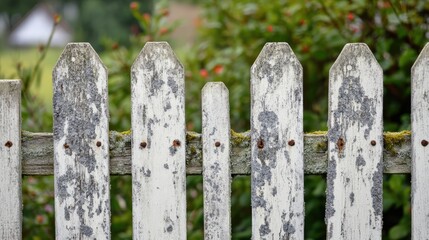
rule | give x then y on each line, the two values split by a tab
278	151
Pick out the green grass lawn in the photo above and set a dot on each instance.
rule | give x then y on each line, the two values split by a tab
27	57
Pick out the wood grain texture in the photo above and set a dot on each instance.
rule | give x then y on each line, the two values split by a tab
158	144
216	163
277	162
420	152
355	146
81	146
37	153
10	160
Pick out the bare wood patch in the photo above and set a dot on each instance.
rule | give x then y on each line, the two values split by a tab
81	146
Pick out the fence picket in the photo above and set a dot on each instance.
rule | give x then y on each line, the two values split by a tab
355	146
10	151
420	150
81	147
158	144
277	144
216	164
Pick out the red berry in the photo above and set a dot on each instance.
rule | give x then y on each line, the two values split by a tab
350	16
204	73
163	31
218	69
134	5
146	17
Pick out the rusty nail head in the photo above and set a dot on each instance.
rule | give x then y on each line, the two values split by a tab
66	145
424	143
260	143
143	144
98	144
8	144
291	142
373	142
176	143
217	144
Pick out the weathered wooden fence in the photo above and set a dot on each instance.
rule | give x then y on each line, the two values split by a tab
159	153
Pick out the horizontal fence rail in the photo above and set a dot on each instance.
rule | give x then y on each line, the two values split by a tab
37	153
82	153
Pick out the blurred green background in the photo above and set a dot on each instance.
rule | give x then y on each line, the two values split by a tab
218	41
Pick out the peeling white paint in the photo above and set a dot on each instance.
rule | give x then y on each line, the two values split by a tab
158	168
10	160
82	174
216	164
277	145
355	146
420	153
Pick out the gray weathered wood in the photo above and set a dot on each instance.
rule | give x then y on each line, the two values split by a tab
277	144
10	160
81	146
37	153
159	141
355	146
216	164
420	148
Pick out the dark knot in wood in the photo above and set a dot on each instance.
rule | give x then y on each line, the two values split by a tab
291	142
373	143
143	144
424	143
217	144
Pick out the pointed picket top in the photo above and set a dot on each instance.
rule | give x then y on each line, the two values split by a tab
75	54
280	54
158	144
421	59
355	145
81	147
157	52
277	144
420	150
358	51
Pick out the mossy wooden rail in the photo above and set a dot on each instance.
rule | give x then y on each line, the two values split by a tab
37	153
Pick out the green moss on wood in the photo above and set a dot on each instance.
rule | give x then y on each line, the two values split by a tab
192	150
190	136
128	132
318	133
392	139
322	146
239	138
